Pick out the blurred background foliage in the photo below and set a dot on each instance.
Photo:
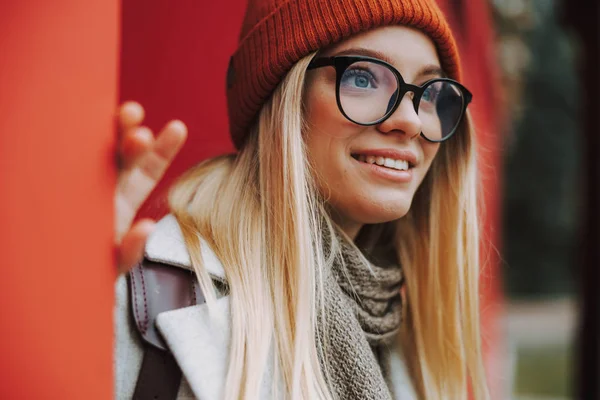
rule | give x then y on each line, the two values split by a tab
542	159
542	148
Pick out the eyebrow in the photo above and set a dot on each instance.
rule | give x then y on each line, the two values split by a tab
429	70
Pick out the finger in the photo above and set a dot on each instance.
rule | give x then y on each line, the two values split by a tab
170	139
166	146
135	184
131	250
130	114
135	143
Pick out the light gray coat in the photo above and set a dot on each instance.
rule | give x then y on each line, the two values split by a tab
199	340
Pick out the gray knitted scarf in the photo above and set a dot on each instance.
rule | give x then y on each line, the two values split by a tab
363	312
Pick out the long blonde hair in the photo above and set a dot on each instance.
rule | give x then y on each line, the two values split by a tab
260	212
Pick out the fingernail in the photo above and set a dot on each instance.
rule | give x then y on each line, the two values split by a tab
178	125
134	109
144	133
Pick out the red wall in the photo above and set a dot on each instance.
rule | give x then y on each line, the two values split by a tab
58	90
174	59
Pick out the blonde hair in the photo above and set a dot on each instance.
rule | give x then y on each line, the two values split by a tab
260	212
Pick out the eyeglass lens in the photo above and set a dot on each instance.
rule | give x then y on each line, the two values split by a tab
368	91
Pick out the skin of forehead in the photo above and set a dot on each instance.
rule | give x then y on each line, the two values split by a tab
418	51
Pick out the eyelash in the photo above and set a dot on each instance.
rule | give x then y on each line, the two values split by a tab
360	71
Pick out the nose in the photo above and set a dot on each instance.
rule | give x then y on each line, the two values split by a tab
404	119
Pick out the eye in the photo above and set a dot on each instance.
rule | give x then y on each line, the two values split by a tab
432	92
359	78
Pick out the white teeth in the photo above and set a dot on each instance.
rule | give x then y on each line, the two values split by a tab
401	165
390	163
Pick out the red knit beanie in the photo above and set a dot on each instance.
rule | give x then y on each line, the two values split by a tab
277	33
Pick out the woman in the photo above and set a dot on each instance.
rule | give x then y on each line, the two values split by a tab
337	249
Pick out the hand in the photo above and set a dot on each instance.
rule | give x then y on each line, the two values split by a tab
143	160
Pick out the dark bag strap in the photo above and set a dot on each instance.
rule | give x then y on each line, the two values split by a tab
159	377
155	288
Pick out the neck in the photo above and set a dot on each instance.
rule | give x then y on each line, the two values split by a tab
350	228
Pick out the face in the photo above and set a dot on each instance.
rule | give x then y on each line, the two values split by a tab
342	153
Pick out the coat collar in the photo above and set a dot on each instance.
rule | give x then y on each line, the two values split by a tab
198	337
166	245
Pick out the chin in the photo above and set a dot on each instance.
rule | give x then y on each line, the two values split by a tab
377	212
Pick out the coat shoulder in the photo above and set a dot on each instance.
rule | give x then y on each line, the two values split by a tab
166	245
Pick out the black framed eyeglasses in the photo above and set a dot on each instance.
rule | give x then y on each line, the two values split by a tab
369	90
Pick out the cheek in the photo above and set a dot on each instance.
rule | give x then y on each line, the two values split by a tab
320	106
328	134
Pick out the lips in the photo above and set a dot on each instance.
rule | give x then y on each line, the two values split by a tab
388	164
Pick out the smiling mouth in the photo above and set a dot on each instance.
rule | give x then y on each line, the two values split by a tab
391	163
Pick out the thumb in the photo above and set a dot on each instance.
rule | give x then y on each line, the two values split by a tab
131	250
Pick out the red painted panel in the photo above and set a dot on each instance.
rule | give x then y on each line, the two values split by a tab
58	80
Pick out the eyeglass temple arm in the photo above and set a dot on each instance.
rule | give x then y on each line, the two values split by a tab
320	62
